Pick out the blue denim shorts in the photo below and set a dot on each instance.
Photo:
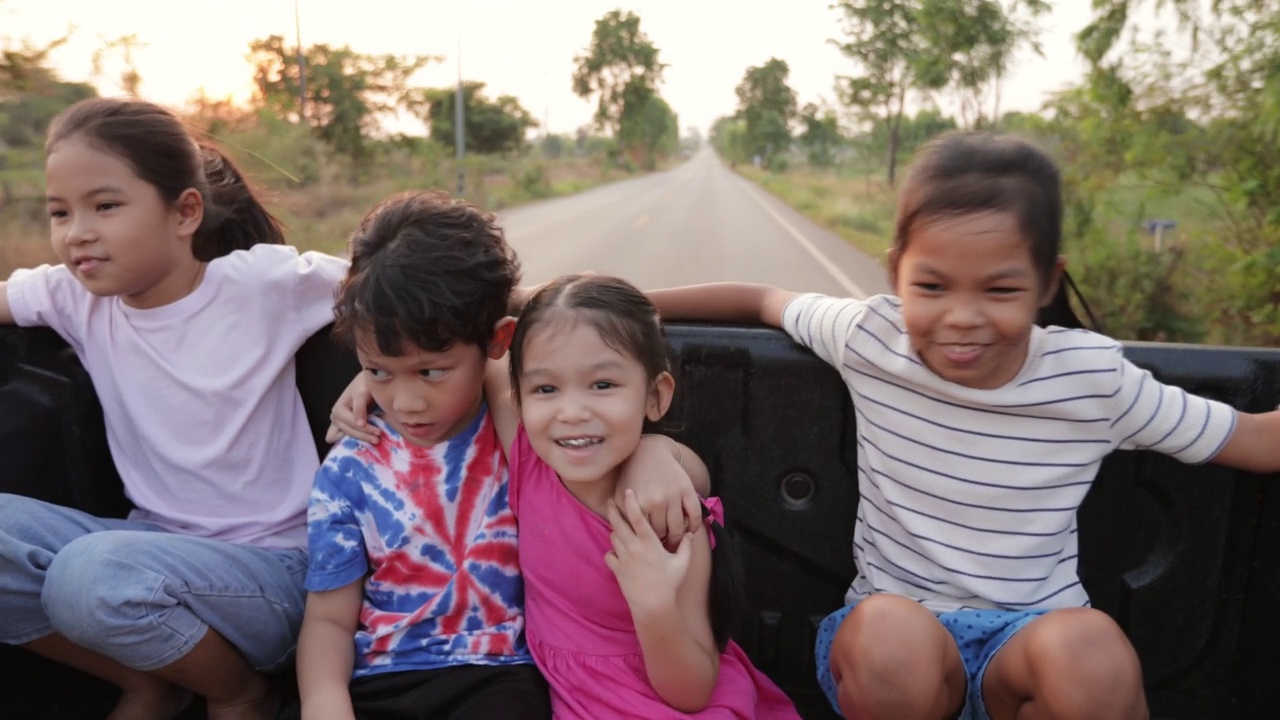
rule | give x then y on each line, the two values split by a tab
979	634
139	594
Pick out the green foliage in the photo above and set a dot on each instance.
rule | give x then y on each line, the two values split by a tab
491	126
729	138
968	45
620	60
767	107
911	49
553	147
31	93
347	92
1205	121
649	129
821	135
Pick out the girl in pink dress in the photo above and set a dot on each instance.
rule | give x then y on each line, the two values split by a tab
620	626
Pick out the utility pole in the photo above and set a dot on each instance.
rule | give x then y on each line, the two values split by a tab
302	67
459	125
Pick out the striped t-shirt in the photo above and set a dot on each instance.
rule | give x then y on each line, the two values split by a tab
969	496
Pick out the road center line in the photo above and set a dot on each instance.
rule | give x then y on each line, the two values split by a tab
850	287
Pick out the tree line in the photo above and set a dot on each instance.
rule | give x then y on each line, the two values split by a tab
344	97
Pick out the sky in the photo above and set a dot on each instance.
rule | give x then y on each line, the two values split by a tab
517	47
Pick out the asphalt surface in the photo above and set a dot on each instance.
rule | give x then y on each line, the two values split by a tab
699	222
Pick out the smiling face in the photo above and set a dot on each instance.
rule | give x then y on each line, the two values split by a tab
583	403
426	397
114	231
970	294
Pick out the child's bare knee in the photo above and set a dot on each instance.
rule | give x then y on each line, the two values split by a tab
1084	666
892	658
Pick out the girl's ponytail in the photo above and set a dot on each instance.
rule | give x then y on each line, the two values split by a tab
163	153
234	218
726	604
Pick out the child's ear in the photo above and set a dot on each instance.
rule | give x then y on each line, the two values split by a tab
503	331
189	208
660	398
1055	279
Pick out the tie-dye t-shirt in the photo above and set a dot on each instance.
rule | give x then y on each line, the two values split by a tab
432	535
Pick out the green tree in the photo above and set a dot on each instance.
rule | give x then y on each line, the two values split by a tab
649	129
31	93
491	126
821	135
729	138
347	92
884	39
620	63
767	106
968	45
1200	122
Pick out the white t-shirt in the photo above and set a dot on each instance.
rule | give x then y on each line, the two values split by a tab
203	416
969	496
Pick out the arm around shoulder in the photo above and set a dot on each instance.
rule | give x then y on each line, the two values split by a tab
730	302
1254	444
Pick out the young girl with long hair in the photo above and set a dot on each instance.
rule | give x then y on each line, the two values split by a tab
177	294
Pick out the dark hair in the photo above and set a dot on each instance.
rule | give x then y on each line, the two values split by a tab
165	154
967	172
428	270
629	323
624	317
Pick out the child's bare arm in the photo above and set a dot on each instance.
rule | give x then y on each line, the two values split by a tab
667	594
6	314
326	652
1254	445
732	302
667	478
502	404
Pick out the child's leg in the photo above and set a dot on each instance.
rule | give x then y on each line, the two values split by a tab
198	613
891	658
31	534
1071	663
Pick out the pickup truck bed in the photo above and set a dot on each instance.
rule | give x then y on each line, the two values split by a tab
1187	559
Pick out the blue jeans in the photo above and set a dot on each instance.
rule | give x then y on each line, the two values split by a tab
139	594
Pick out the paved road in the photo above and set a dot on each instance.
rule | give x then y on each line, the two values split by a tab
699	222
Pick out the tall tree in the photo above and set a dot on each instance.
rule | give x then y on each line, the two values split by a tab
884	39
620	60
492	126
821	134
650	128
767	106
347	92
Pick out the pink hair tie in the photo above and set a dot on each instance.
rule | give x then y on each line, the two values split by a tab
712	509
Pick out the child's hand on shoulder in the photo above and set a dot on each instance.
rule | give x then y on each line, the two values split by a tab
648	574
667	479
350	415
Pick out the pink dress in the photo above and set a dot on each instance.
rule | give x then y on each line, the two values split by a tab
578	624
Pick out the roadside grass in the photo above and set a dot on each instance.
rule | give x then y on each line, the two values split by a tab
321	214
858	207
1137	290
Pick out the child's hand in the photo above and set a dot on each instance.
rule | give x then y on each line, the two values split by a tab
350	415
648	575
663	488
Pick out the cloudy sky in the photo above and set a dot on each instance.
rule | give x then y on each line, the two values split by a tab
523	48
